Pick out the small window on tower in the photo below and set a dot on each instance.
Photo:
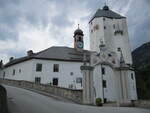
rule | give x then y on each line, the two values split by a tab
71	73
119	49
103	71
109	55
104	27
80	39
104	84
104	19
132	76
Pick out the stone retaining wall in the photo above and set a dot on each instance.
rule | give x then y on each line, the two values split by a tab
71	94
142	103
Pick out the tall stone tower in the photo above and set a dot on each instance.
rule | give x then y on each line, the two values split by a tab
110	29
78	39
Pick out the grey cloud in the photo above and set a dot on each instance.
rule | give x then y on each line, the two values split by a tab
61	21
138	21
36	12
7	33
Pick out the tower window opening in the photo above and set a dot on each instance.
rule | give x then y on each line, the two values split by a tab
104	19
119	49
104	27
103	71
80	39
109	55
104	84
132	77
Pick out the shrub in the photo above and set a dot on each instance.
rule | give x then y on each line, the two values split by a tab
98	101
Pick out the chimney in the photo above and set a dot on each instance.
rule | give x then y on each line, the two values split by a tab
11	58
29	53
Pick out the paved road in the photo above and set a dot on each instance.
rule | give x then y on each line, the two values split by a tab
24	101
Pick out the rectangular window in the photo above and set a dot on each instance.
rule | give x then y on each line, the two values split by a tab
37	80
79	80
13	71
55	81
38	67
119	49
103	71
56	68
104	27
19	70
3	74
104	84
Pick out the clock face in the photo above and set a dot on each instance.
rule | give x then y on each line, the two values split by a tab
80	44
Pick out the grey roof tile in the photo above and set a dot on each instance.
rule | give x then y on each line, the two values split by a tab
54	53
106	13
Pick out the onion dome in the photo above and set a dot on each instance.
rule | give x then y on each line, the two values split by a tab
78	32
105	7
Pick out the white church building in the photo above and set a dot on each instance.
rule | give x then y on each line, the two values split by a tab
109	55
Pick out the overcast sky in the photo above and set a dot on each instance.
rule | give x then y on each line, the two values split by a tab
39	24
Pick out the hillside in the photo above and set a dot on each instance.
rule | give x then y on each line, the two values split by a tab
141	62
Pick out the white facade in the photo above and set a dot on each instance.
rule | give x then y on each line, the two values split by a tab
67	75
112	82
109	38
103	29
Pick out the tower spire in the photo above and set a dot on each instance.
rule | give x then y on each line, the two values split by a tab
78	26
106	3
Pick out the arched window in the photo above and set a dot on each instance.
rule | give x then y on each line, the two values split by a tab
79	39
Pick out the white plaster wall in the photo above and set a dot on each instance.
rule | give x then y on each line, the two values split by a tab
97	79
122	41
113	91
110	92
65	68
26	71
132	92
107	35
96	35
